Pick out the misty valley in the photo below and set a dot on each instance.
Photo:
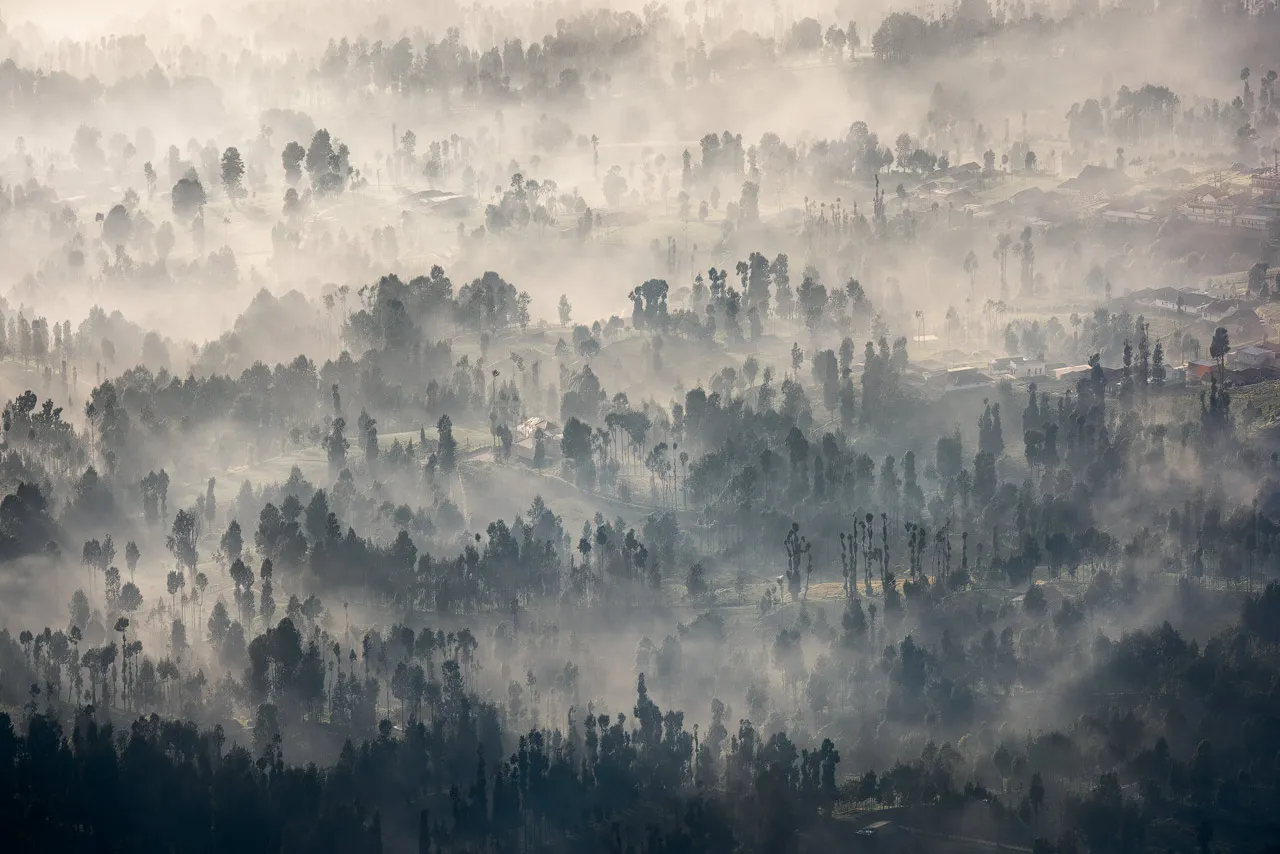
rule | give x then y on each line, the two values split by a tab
717	427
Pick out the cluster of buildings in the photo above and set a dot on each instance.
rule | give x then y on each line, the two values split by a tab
1223	205
1253	210
1109	196
941	379
1252	363
1020	370
1245	365
1238	315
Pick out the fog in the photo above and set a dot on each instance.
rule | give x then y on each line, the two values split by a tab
638	427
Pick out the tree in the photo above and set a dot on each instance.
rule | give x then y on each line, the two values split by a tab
130	599
319	156
292	158
131	556
219	623
447	446
174	582
827	373
506	441
336	445
565	310
1219	347
614	186
188	197
749	203
292	203
117	227
79	609
1026	252
971	269
576	446
1157	365
1004	245
696	581
87	150
327	163
165	240
806	35
233	174
539	448
836	41
901	37
182	540
232	542
1257	277
210	501
1204	835
369	431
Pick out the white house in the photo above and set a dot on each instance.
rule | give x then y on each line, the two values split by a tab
1125	216
1254	357
1019	366
1211	208
525	444
1172	299
530	426
1071	372
1254	221
1219	309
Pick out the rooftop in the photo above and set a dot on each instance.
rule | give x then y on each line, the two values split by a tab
1190	299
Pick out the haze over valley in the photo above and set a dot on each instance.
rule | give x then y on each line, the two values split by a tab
639	428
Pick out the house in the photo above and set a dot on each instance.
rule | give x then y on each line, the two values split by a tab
526	438
1186	302
1122	214
1210	206
1254	221
1270	347
1245	376
1172	299
443	202
1218	310
1244	323
1266	182
1096	181
927	367
1166	299
1200	368
1253	357
1071	372
1019	366
962	379
529	428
